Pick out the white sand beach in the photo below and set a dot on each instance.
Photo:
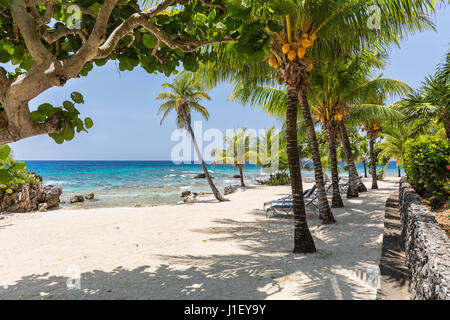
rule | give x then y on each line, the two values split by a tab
203	250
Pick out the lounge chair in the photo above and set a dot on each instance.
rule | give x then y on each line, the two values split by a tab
285	205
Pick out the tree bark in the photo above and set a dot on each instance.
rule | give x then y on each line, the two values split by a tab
242	176
373	160
336	201
365	168
355	183
399	170
447	126
325	213
216	192
303	241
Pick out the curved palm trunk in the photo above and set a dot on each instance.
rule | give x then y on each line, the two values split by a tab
373	160
336	201
216	192
365	168
303	241
242	176
355	183
325	213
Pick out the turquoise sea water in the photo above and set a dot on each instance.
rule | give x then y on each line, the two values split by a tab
127	183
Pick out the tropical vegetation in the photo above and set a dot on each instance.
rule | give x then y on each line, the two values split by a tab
314	64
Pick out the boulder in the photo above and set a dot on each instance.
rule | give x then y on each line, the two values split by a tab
77	198
228	190
23	198
28	196
51	196
237	176
42	207
90	196
190	198
185	194
200	176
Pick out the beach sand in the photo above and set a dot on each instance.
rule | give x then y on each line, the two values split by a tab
204	250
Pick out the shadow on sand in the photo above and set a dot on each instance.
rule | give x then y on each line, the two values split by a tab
262	267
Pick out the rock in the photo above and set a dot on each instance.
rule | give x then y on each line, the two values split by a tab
77	198
89	196
185	194
51	196
26	197
229	189
191	198
237	176
138	206
42	207
200	176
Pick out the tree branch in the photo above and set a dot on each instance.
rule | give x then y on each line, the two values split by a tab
47	17
60	33
25	24
139	19
214	5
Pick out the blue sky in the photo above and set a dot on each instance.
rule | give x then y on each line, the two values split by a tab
123	106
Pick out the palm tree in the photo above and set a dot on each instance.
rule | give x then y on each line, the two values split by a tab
338	26
272	99
239	151
396	134
372	116
363	153
185	93
431	103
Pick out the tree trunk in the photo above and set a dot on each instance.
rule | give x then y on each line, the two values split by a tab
242	176
399	170
303	241
216	192
325	213
336	201
447	126
365	168
355	183
373	160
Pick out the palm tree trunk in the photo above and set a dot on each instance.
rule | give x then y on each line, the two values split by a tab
336	201
447	126
399	170
325	214
216	192
242	176
355	183
303	241
373	160
365	168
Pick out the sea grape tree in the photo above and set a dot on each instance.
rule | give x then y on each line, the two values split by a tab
44	43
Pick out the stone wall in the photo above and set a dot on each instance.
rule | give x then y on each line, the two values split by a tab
427	248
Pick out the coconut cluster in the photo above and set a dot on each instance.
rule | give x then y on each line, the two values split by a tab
339	115
294	50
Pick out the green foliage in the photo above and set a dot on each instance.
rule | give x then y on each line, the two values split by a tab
188	21
427	167
279	179
67	116
12	172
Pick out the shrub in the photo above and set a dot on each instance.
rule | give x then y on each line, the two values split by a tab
277	179
427	167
